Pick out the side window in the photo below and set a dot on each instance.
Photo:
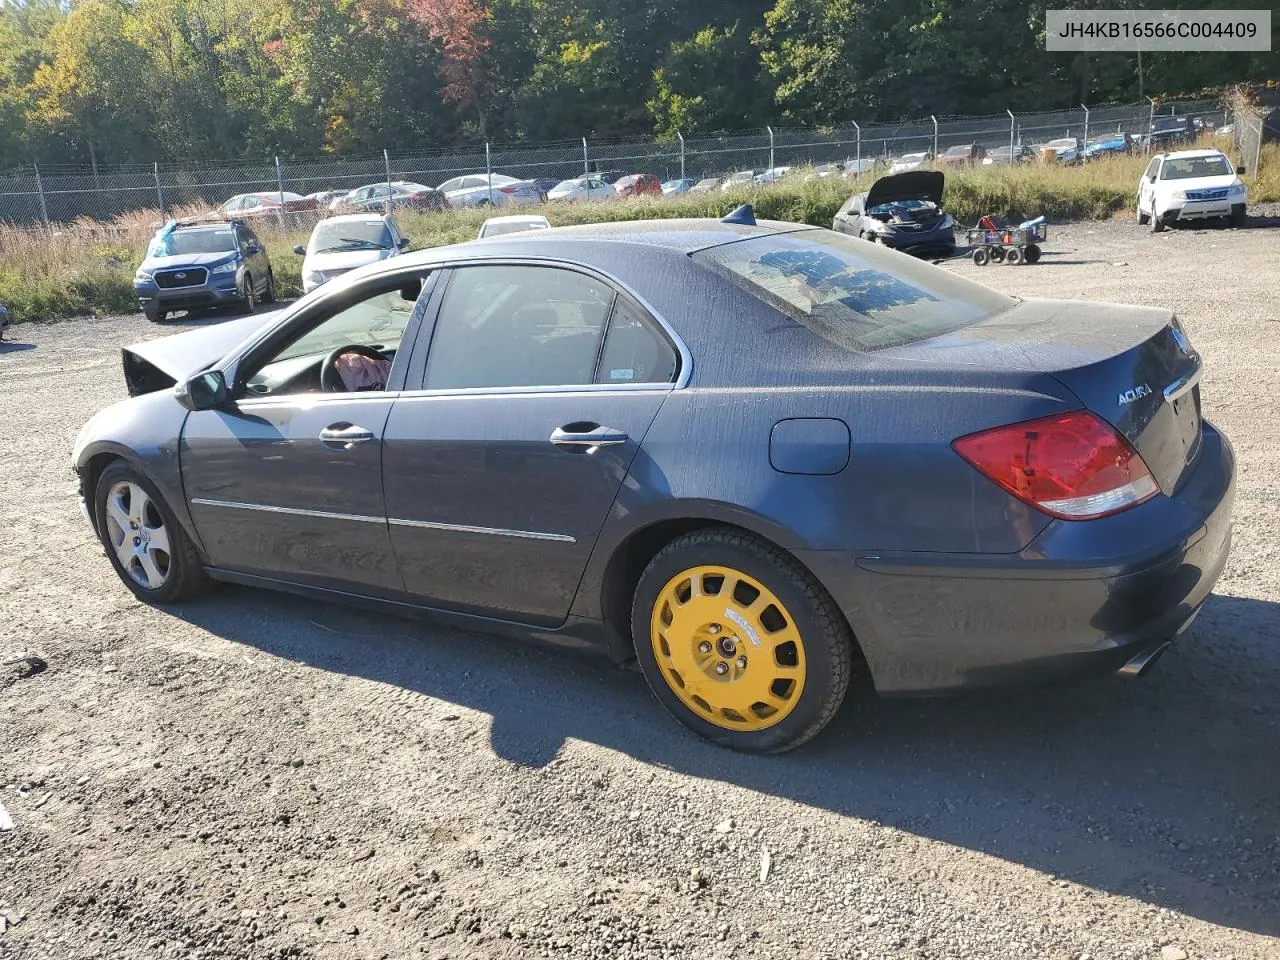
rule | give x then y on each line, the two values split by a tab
1152	167
634	352
517	326
374	324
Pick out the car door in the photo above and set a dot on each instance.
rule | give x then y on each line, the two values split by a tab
285	481
1146	186
538	385
599	190
255	256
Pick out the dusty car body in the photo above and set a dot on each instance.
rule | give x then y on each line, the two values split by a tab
892	466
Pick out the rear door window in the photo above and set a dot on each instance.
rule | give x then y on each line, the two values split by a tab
855	294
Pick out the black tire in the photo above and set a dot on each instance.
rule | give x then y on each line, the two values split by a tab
1239	215
1157	222
1143	219
1013	256
825	638
185	576
269	295
250	302
154	315
1032	253
996	254
981	257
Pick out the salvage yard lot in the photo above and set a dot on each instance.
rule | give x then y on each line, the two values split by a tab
254	775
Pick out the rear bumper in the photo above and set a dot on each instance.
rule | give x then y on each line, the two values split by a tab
1082	598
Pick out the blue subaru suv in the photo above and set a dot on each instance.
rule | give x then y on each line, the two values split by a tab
195	265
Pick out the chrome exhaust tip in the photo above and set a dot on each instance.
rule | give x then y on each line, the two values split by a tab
1144	661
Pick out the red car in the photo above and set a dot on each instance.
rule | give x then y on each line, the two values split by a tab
266	202
638	184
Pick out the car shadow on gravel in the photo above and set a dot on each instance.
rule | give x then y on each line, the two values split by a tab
14	346
1162	789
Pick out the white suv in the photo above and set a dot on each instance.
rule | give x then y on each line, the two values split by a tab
1190	185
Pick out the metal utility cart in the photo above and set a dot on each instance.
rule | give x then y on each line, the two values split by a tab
994	243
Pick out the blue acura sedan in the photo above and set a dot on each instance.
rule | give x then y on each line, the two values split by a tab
752	458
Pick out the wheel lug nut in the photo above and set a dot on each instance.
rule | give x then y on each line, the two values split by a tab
137	540
713	629
742	663
722	668
704	647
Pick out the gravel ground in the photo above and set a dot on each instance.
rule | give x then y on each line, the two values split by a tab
258	776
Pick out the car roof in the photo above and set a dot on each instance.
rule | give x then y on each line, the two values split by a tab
1186	154
518	218
355	218
677	237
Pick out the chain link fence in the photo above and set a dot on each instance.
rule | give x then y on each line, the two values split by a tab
63	194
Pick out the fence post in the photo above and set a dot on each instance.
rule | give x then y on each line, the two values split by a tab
857	162
488	172
586	162
1084	150
159	194
280	195
681	136
44	210
935	137
770	129
1151	124
1257	151
386	163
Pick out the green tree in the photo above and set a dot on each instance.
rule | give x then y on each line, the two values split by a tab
710	83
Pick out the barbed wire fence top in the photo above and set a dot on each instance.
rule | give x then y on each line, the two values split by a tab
59	194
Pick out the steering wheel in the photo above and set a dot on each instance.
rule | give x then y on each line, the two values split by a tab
330	379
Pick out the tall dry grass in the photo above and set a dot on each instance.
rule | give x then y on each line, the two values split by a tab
86	267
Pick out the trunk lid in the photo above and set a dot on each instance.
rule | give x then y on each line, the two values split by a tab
1132	366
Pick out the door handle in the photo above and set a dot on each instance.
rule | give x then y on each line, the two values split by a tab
345	435
586	437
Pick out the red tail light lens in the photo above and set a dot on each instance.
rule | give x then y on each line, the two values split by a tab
1071	465
507	189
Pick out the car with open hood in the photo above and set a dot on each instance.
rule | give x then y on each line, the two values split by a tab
903	211
893	473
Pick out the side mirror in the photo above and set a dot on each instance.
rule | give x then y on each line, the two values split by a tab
404	242
204	391
299	249
1240	171
253	248
1152	178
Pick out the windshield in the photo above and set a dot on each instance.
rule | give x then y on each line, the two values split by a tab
185	242
957	151
333	235
1186	168
1170	123
411	187
570	185
852	293
911	158
893	206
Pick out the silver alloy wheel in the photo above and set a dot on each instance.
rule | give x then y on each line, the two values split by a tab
137	533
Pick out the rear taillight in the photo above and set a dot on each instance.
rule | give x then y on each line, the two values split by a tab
1073	465
507	190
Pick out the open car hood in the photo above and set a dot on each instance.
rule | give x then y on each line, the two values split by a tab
157	364
912	185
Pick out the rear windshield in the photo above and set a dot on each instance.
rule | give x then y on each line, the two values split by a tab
857	295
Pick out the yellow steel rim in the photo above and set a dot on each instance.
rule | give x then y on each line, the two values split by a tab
728	648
